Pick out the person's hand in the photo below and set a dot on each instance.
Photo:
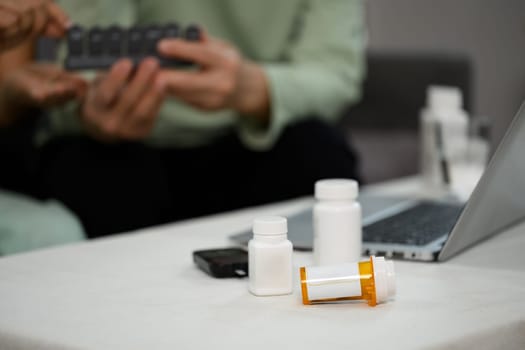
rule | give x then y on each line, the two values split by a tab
23	19
123	104
37	85
224	80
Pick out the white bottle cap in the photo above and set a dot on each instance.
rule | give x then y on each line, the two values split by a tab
385	278
336	189
444	97
270	226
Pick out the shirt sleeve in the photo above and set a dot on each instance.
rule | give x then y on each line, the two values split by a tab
321	72
27	224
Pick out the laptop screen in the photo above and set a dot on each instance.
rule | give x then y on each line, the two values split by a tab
499	198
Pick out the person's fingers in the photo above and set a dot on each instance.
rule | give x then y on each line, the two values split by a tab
129	97
72	77
49	92
26	86
78	84
20	19
40	19
68	88
196	52
97	119
195	100
16	22
210	90
113	82
45	71
145	112
17	6
179	82
25	22
57	15
43	92
57	95
141	82
204	36
57	77
53	30
7	19
57	21
33	90
10	39
96	111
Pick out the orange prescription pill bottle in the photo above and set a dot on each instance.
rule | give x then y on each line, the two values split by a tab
372	280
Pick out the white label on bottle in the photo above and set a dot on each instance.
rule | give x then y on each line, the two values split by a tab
338	281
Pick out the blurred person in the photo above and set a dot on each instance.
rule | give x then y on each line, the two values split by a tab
251	125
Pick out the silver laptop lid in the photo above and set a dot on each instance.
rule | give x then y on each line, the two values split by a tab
499	198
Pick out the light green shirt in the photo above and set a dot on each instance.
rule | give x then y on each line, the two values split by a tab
311	50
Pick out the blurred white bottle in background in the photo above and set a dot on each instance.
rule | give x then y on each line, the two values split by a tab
467	174
337	222
444	136
479	141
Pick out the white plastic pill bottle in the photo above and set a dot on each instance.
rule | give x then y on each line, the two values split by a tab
444	111
270	257
337	222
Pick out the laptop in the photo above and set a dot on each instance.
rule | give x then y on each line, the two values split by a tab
437	230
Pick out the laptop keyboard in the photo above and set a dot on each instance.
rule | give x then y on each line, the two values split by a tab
418	225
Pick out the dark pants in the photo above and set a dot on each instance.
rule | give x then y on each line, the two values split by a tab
19	157
120	187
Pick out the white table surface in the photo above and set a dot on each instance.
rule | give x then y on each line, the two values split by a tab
142	291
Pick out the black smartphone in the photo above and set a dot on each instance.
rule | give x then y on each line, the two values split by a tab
222	263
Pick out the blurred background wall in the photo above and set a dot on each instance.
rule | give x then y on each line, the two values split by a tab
490	32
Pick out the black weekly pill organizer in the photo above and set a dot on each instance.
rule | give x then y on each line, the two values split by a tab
99	48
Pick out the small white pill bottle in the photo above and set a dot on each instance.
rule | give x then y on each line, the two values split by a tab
337	222
270	257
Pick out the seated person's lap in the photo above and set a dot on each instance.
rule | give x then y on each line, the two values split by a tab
120	187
